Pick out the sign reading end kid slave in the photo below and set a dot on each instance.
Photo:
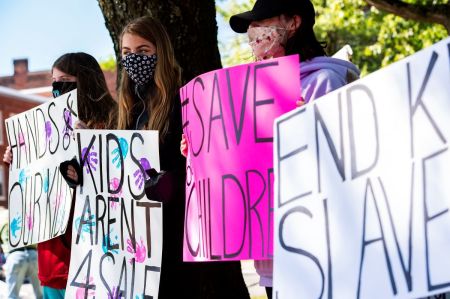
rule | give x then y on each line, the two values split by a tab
362	191
227	120
39	199
116	231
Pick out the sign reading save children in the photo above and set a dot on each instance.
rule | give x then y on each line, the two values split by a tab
227	120
362	195
39	198
117	231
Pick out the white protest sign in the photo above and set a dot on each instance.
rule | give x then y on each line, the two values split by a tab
39	198
362	194
117	232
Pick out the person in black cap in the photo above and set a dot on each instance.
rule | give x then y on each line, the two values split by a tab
280	27
283	27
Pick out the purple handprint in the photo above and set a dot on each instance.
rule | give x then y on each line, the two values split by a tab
91	159
68	128
114	293
48	130
140	252
139	178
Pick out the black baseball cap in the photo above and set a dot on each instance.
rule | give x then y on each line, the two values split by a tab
265	9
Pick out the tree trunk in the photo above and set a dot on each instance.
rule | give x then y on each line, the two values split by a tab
191	25
429	13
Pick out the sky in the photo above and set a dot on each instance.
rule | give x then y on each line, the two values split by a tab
43	30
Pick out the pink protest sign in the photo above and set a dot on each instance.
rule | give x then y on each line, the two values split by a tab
228	119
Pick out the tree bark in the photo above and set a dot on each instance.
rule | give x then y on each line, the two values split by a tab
436	13
191	25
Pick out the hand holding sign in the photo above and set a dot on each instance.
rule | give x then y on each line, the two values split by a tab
7	156
184	146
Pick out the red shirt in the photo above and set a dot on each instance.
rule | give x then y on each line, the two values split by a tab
54	260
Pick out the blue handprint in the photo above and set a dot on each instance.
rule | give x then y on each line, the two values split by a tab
107	239
45	182
87	227
123	144
91	159
23	175
139	178
16	225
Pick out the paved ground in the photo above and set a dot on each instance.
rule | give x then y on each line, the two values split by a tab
250	276
26	292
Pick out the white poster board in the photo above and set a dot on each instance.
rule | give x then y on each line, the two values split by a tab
39	199
117	232
362	190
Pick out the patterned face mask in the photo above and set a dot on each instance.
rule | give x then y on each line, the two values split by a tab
140	68
266	41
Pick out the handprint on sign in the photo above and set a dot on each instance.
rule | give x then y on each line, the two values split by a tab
114	293
139	253
21	140
45	182
106	240
114	184
123	148
48	130
79	294
91	159
16	225
29	221
87	228
68	128
57	201
139	178
24	174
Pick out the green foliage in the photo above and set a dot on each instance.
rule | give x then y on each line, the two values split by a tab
234	49
108	64
377	38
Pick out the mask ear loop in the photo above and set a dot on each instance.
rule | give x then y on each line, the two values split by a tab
143	103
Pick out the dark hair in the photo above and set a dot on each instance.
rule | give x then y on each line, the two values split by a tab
96	107
304	41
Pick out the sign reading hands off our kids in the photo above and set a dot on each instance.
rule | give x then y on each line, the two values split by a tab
227	119
117	231
39	198
362	195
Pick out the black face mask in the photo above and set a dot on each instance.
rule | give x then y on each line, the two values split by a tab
62	87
